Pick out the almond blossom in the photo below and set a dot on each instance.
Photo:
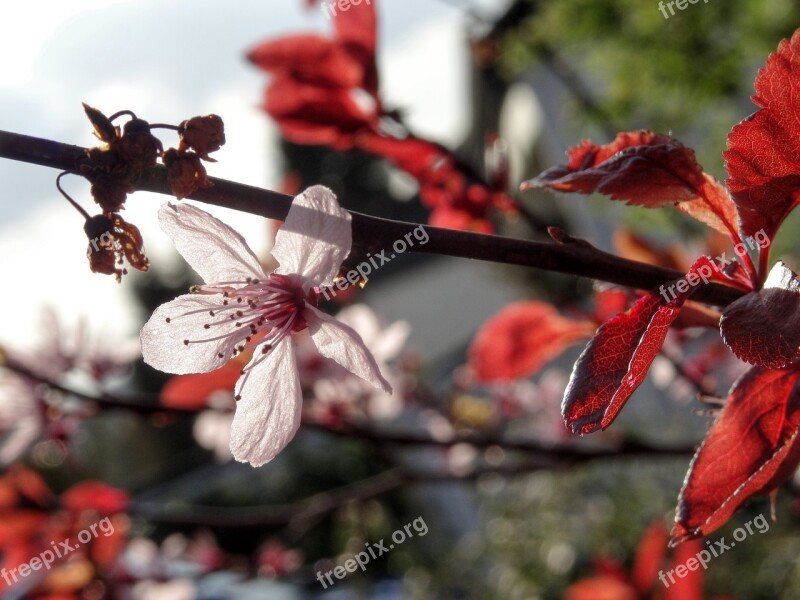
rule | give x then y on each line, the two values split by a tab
240	308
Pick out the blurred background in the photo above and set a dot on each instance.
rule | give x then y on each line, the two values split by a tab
513	506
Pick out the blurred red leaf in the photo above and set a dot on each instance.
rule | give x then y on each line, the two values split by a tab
521	338
643	169
690	586
763	327
456	196
29	484
308	58
609	302
750	449
649	557
357	30
761	159
192	391
94	496
601	587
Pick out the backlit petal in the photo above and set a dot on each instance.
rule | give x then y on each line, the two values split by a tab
315	238
340	343
268	412
163	344
213	249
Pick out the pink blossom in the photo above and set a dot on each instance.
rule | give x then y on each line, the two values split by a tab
240	306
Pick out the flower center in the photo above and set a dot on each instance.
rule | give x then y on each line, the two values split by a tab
261	312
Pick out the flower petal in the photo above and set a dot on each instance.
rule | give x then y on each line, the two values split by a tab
268	412
212	248
340	343
163	342
315	238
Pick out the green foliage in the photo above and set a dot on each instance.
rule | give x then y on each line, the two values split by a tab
691	70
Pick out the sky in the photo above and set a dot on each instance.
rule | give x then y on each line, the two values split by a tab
167	61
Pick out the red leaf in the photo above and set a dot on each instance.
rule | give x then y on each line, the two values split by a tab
601	587
419	158
609	302
764	176
750	449
358	25
311	59
690	586
763	328
522	337
315	115
617	359
192	391
649	557
357	31
714	207
644	169
457	199
96	496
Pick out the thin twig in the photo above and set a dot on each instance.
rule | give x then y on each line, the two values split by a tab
373	234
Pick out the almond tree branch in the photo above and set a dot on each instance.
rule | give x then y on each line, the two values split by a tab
373	234
567	453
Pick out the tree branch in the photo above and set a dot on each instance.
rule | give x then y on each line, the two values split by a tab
373	234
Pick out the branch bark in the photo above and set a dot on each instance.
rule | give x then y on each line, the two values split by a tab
373	234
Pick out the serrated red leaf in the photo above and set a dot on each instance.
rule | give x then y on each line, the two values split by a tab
751	448
521	338
713	207
761	160
644	169
616	360
763	327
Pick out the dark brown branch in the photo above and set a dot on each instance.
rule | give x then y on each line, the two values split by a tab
560	452
372	234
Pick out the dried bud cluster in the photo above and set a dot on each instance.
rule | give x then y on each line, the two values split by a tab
114	167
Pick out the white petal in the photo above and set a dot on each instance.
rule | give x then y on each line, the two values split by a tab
268	412
340	343
212	248
315	238
163	344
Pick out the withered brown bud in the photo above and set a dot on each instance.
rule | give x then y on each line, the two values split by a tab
138	146
110	176
104	261
185	172
110	192
203	135
104	129
130	243
97	225
111	240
